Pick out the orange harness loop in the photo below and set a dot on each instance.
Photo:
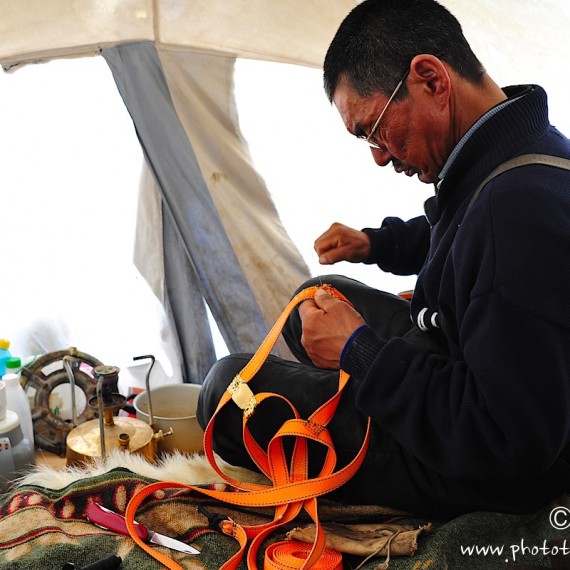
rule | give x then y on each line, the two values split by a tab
291	488
292	554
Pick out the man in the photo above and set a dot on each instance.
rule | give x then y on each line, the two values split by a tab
470	399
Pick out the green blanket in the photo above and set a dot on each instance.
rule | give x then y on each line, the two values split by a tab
43	529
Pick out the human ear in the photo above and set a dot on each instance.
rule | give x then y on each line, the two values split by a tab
429	74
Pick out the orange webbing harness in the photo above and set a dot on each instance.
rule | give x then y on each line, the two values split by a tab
291	490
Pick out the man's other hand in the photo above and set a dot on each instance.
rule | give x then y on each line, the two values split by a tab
341	243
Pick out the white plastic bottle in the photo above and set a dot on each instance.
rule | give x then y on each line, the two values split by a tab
18	402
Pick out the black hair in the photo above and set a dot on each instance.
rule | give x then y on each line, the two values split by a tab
376	42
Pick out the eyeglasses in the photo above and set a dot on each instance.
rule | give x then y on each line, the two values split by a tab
370	138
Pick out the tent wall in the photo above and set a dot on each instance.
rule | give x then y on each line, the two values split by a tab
38	30
291	31
269	260
222	239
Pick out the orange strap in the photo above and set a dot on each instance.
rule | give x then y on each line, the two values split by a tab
293	553
292	490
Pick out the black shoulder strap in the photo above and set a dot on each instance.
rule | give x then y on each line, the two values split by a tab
521	161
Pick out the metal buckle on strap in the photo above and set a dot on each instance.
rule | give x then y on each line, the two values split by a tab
242	395
315	427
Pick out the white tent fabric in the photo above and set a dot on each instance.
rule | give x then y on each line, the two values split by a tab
199	260
248	214
291	31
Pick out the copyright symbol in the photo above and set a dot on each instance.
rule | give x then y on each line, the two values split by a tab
560	518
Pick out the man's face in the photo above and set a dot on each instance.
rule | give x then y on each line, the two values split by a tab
411	134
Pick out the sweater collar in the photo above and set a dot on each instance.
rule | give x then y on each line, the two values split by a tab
498	135
468	135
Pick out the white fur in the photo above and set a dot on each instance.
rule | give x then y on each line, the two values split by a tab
189	469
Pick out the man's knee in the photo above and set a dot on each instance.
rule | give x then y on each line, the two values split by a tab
215	384
339	282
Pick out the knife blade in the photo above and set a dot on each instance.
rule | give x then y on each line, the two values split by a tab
109	520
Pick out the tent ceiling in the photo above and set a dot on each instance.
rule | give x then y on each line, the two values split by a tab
290	31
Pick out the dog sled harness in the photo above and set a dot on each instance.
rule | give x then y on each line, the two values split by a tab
291	489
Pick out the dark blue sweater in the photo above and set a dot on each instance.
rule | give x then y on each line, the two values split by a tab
497	406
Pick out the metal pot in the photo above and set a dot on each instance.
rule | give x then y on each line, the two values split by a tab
95	438
173	406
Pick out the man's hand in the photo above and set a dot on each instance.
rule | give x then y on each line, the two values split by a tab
327	323
341	243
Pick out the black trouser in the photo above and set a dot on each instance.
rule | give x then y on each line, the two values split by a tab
390	475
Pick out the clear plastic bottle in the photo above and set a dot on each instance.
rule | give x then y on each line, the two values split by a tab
4	354
18	402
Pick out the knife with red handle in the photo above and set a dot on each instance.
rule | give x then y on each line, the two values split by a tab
109	520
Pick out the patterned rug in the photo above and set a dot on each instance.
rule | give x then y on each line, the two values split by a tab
43	521
43	525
